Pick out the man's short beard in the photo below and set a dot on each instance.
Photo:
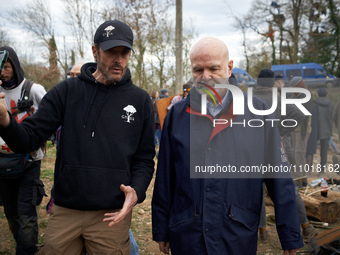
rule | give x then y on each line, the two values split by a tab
109	78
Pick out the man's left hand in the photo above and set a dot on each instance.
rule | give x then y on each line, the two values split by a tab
289	252
130	200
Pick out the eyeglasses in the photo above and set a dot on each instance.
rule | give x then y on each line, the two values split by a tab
187	90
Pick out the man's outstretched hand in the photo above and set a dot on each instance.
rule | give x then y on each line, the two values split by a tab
130	201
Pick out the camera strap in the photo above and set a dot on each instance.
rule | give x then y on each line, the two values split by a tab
25	93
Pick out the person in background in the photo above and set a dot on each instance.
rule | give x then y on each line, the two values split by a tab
296	143
264	90
164	93
322	125
186	89
68	72
279	82
154	98
217	214
75	71
105	161
21	196
336	116
331	142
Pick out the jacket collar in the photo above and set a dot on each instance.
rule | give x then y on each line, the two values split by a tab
194	101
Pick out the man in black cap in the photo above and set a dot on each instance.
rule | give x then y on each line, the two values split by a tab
21	195
322	124
106	148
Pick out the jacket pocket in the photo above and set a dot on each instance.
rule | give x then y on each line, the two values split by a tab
243	216
38	192
186	214
90	188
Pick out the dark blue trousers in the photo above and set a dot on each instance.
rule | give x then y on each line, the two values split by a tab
324	144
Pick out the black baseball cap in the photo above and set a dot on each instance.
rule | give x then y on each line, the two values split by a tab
113	33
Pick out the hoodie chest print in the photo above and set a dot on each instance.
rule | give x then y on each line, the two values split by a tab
129	111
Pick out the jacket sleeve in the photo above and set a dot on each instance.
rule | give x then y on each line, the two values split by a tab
282	192
37	93
34	130
142	164
162	198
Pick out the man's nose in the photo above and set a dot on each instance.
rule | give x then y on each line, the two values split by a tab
118	58
206	75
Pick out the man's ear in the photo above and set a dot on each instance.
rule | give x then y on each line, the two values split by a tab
230	67
94	51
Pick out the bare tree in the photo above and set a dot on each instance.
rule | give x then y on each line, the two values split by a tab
322	42
160	51
260	20
241	24
295	9
285	16
82	18
189	35
36	18
143	17
4	38
335	29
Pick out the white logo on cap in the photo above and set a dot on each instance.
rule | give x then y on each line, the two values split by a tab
108	31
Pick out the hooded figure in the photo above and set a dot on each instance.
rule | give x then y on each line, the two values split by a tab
164	93
322	124
18	72
21	196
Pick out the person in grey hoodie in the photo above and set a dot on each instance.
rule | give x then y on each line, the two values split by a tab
322	124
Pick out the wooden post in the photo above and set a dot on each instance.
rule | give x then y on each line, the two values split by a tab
179	48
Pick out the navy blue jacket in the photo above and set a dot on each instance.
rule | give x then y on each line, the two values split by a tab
219	213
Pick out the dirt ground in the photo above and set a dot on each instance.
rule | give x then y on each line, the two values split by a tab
141	222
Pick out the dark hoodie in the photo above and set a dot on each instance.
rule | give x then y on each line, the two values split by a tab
18	72
107	140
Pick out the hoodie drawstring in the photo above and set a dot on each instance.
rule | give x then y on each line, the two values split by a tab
99	110
90	105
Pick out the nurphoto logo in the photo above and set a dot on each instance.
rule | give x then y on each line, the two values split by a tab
238	103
